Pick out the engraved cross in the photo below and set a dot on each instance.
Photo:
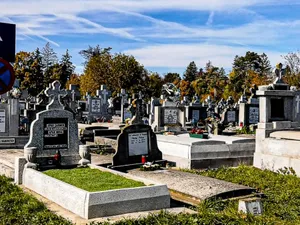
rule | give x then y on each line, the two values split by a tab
297	100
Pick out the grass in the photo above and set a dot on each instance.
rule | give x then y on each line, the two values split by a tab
93	180
281	203
17	207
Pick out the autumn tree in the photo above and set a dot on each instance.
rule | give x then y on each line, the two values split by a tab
22	65
211	82
243	67
74	79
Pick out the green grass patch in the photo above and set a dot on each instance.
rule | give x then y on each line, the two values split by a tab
17	207
281	203
93	180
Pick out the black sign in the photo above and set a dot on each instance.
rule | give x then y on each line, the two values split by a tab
56	133
8	41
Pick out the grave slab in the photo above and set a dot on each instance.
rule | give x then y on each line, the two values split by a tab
196	153
194	186
90	205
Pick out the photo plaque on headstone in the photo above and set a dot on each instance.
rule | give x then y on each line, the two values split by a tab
253	115
96	106
231	116
170	116
2	121
56	133
138	143
196	115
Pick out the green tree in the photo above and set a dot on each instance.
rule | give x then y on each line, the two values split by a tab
66	68
128	74
212	82
90	52
191	72
153	85
33	80
171	77
243	69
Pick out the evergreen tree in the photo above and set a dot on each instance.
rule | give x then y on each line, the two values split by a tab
66	68
49	59
191	72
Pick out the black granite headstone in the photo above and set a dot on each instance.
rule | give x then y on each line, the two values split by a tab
135	141
56	133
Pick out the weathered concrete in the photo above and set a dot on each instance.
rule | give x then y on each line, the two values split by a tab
288	135
217	151
97	204
279	150
193	188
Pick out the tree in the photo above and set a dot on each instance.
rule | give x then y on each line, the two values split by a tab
153	85
191	72
66	68
22	65
212	82
292	60
244	66
49	62
33	80
74	79
127	73
171	77
90	52
49	57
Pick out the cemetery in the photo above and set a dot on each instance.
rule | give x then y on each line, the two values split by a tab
119	153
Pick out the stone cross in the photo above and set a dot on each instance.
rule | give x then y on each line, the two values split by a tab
123	100
105	94
297	100
55	93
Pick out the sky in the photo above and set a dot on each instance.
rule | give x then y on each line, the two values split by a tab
163	35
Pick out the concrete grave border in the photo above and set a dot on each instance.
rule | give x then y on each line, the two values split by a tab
98	204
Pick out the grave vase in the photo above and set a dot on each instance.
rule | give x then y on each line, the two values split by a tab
30	156
84	152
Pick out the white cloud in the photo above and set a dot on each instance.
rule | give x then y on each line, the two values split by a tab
30	7
180	55
210	18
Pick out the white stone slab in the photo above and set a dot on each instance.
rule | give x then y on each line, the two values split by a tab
97	204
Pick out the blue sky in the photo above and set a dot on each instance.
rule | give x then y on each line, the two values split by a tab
163	35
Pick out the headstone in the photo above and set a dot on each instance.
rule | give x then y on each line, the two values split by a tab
55	129
251	206
135	141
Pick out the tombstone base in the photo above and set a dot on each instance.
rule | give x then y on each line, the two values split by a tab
84	162
31	165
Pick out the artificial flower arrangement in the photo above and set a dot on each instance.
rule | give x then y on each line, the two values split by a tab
198	133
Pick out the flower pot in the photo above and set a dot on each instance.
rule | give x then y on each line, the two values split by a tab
84	152
202	136
30	156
